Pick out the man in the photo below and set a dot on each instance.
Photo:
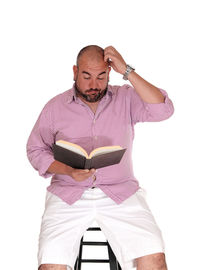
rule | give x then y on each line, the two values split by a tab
94	114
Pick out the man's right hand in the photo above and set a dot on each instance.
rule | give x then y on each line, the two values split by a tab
77	174
81	175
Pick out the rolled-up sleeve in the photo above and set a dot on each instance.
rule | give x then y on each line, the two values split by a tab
39	144
142	111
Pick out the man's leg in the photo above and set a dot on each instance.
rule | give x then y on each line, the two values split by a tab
54	267
152	262
61	229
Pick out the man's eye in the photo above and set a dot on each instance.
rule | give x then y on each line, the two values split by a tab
87	78
100	78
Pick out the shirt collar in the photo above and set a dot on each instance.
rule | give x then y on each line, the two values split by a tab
71	94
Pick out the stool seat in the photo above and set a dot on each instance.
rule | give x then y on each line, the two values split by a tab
114	264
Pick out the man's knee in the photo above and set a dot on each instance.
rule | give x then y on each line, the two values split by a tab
54	267
152	262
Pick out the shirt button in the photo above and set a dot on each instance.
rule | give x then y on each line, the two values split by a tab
93	186
95	137
94	121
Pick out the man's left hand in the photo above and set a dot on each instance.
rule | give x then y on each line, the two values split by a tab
115	59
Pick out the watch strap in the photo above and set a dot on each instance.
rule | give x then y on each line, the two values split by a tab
128	71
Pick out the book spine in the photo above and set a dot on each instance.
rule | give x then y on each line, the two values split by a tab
87	163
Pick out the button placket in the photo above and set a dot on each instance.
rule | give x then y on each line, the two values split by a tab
94	179
93	131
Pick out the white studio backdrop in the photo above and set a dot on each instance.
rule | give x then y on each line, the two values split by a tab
39	44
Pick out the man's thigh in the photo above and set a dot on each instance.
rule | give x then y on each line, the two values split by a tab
130	228
62	227
152	262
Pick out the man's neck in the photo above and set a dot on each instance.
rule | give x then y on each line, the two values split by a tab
93	105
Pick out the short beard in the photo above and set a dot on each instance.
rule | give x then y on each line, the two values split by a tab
89	98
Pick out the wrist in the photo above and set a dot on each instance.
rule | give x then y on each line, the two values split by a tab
68	170
58	167
129	69
123	69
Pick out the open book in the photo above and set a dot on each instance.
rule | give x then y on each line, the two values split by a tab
75	156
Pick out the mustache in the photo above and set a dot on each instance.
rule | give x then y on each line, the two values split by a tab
92	90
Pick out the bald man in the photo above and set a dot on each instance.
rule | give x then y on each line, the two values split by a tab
92	114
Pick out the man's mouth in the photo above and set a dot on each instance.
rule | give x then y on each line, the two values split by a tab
92	92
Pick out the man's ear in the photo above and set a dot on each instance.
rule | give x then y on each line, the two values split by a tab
75	70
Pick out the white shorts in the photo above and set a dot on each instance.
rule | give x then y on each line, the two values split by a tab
129	227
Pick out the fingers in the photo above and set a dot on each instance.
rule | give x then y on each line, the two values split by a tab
109	57
109	53
91	171
115	59
110	49
81	175
86	172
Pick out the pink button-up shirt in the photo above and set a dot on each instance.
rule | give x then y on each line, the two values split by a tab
67	117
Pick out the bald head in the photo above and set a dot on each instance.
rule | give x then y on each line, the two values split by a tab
91	74
90	53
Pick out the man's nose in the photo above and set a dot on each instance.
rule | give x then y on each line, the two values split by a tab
93	84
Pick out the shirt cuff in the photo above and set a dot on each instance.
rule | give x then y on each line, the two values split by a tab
46	162
162	110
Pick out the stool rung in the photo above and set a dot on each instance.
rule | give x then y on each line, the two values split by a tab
114	264
94	229
93	243
94	260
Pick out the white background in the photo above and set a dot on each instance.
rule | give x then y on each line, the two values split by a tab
39	44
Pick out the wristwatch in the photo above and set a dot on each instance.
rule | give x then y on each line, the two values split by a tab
128	70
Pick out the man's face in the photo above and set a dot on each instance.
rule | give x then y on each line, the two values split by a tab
91	79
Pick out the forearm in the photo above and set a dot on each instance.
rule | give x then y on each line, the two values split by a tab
59	168
148	92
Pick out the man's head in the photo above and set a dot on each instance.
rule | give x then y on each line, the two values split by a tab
91	73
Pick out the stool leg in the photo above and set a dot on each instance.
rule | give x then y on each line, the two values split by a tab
75	265
79	258
114	264
118	266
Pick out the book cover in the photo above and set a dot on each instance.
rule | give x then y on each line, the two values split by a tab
75	156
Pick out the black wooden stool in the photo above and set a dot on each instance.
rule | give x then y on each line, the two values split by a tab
114	264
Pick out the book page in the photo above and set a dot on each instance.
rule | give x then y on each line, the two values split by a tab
72	147
104	150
